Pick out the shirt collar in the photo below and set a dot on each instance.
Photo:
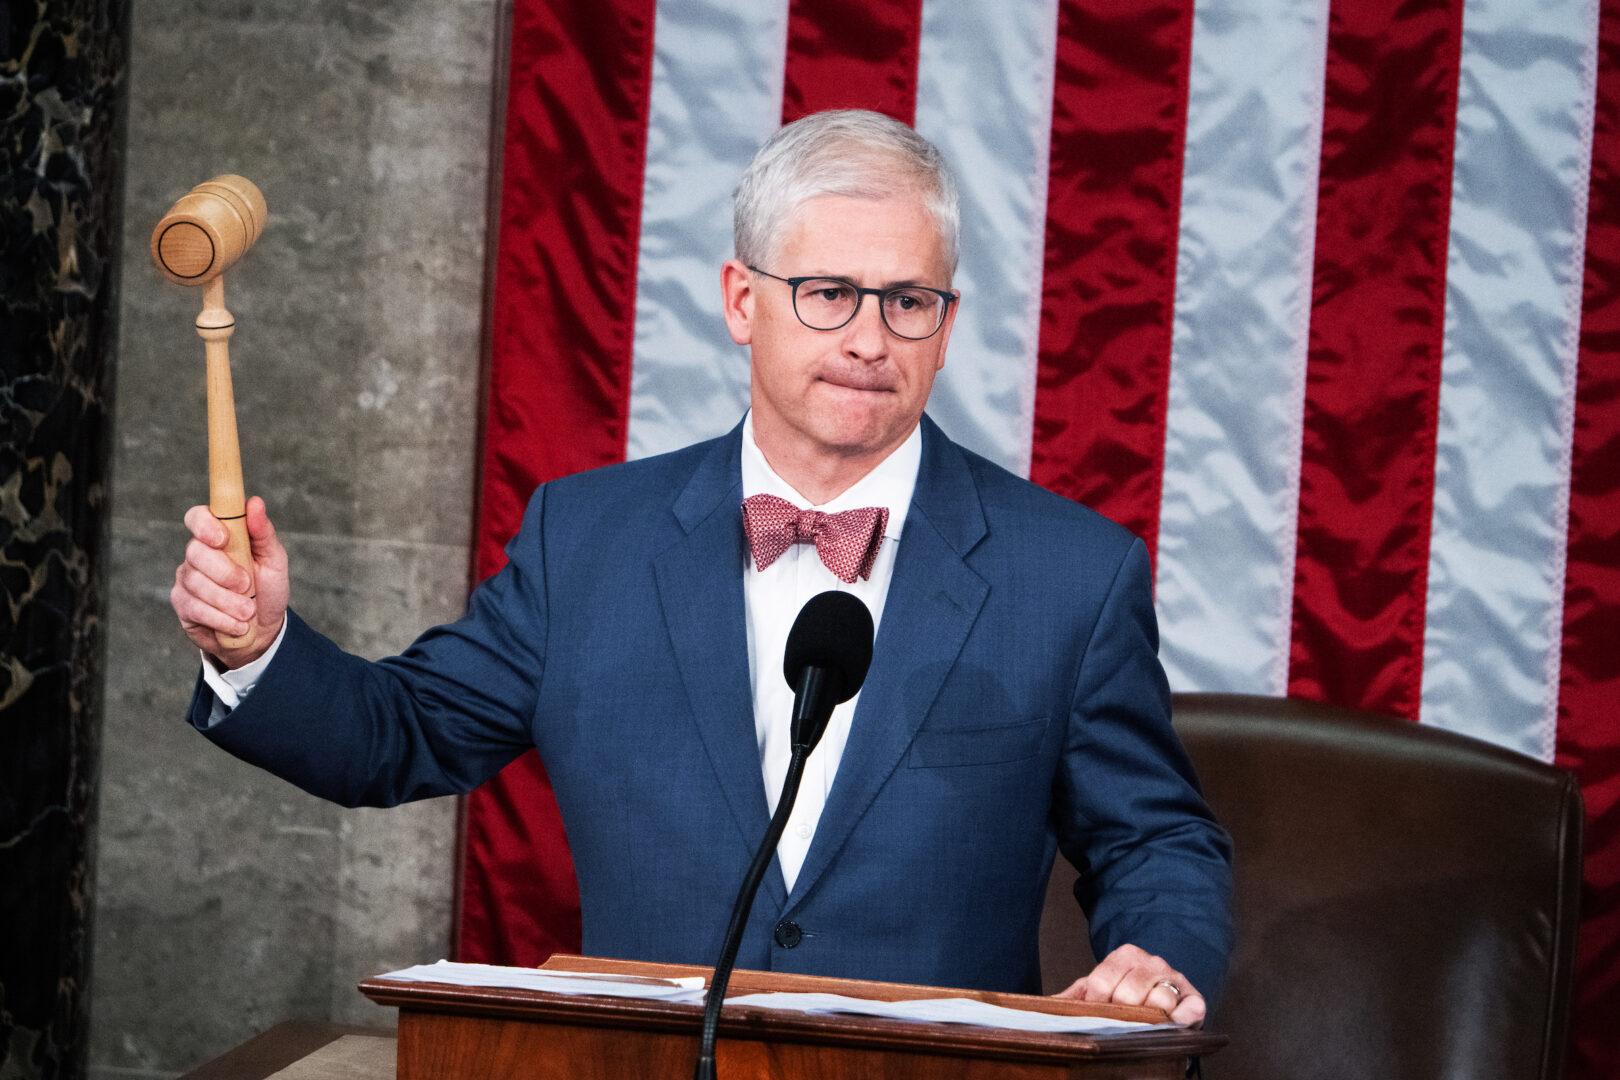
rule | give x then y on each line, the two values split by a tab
890	484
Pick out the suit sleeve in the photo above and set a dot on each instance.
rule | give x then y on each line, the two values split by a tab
1155	867
439	719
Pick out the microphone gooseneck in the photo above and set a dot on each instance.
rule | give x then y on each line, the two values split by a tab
828	653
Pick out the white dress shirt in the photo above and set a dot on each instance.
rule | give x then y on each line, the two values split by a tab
773	597
230	687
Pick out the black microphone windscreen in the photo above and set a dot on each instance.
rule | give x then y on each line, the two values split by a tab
833	631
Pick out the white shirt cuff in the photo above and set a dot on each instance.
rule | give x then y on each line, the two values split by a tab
231	688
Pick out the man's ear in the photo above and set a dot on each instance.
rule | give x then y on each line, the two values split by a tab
737	301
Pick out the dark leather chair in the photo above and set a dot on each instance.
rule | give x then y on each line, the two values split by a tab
1406	898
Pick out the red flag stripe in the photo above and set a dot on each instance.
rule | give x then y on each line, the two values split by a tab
576	132
852	54
1119	114
1590	677
1373	370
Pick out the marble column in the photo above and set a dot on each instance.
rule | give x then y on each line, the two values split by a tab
62	97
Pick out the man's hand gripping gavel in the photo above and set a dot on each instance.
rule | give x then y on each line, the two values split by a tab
212	594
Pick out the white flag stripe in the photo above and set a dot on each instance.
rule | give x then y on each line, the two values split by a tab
1514	269
716	95
1237	372
984	96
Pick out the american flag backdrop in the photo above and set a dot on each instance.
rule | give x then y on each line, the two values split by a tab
1317	297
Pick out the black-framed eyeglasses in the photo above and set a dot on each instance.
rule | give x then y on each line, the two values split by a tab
913	312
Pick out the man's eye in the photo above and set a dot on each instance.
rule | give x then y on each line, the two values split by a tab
907	302
826	292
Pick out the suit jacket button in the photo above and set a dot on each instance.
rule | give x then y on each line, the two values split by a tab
788	934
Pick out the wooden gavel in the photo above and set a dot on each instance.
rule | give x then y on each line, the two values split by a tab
211	227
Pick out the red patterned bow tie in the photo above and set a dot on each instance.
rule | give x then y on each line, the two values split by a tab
847	542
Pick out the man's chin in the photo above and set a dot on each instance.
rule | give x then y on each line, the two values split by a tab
843	427
858	440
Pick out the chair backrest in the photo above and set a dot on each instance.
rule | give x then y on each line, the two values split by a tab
1406	898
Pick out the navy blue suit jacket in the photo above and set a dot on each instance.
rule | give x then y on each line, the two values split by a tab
1015	707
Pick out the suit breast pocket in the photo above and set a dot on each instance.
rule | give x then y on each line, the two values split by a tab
979	746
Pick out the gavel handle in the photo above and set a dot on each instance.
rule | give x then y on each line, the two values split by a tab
226	498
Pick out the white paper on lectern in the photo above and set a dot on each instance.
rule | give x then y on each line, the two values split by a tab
686	991
689	991
945	1011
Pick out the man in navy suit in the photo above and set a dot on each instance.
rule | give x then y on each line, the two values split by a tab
1015	705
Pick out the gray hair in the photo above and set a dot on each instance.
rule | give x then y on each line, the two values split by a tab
840	152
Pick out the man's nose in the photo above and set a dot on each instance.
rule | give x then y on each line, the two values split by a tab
865	336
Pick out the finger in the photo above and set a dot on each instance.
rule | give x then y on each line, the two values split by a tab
205	526
1154	982
1103	982
1191	1010
216	566
194	612
1139	984
212	594
1165	992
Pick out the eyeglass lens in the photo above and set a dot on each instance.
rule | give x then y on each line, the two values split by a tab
828	303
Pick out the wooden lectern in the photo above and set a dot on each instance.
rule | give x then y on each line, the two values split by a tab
458	1032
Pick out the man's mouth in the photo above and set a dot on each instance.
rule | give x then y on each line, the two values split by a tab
874	382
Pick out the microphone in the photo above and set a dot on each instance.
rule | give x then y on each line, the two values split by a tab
828	653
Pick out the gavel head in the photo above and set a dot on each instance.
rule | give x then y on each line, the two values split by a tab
208	229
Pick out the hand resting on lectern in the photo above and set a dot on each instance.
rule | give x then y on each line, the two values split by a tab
1133	976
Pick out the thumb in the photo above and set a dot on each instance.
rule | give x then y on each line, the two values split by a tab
1076	990
261	533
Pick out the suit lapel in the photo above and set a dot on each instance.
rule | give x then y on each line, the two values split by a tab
701	592
933	600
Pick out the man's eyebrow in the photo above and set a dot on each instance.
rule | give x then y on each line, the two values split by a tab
900	283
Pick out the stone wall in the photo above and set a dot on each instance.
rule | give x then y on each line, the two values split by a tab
62	78
227	900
